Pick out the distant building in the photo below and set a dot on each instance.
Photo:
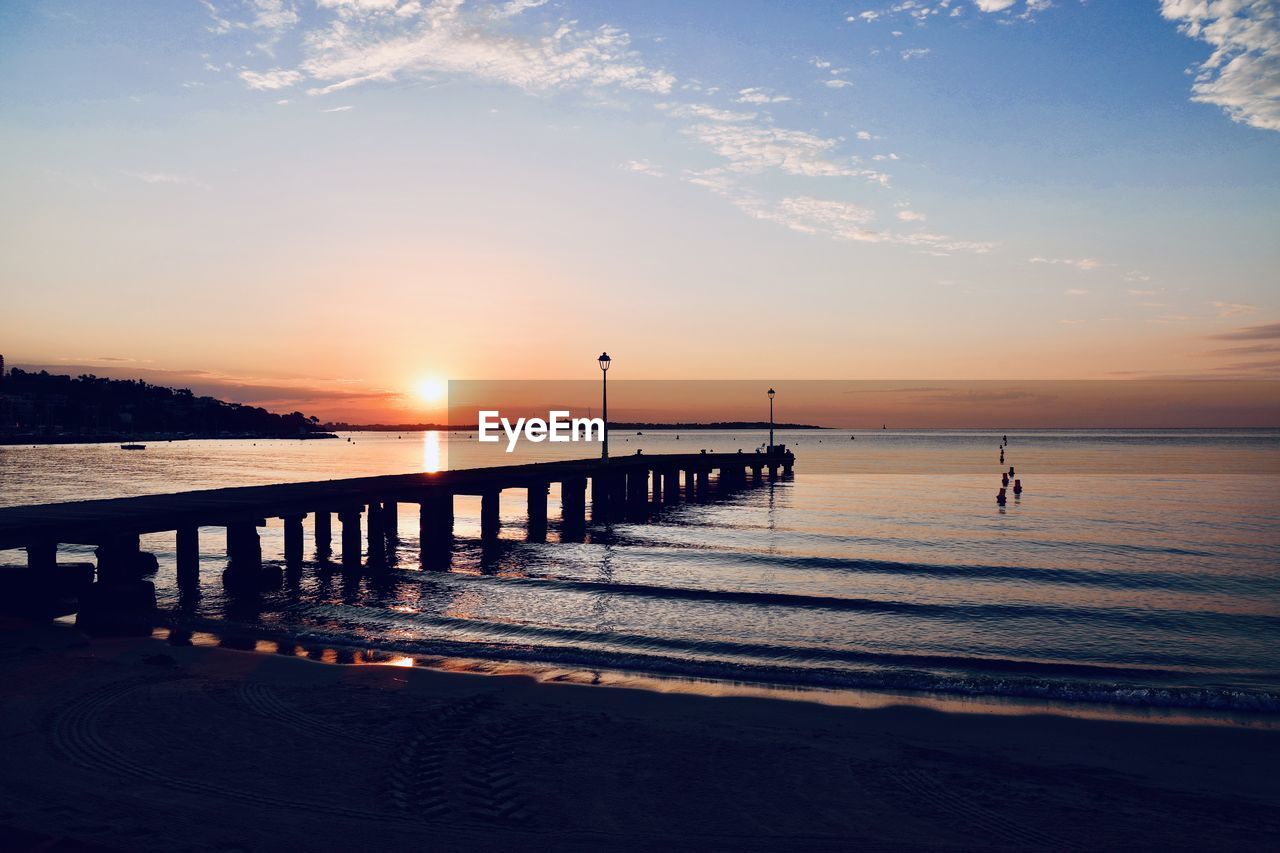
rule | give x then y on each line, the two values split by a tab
1	369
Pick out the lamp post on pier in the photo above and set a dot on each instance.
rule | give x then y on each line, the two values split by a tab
604	393
771	393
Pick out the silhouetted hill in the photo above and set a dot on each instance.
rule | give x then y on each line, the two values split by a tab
46	407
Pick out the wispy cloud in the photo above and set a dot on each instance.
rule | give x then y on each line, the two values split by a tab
644	167
1083	264
1267	332
1241	74
759	96
276	78
162	178
1233	309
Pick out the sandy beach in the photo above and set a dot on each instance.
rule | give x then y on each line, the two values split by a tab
135	744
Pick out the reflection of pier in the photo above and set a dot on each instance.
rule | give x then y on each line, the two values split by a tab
626	488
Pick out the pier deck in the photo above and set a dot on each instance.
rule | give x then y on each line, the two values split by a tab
624	486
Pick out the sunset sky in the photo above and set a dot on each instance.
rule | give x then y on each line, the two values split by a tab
321	205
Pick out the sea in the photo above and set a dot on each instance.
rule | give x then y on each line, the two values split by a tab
1137	569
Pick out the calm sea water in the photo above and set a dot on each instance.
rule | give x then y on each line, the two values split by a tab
1137	568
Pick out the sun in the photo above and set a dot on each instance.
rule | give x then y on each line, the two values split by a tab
431	390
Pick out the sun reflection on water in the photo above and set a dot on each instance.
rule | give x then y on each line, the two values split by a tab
431	451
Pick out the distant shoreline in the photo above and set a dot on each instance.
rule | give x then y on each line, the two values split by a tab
153	438
637	425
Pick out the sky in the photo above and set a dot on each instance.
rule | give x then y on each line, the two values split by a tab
337	205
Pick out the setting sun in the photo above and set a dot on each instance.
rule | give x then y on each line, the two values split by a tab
431	390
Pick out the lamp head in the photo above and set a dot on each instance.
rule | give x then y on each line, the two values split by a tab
771	393
604	360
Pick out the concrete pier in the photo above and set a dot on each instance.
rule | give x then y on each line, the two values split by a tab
620	488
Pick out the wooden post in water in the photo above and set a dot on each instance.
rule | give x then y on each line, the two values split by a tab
350	520
601	496
293	540
324	533
435	529
671	486
188	556
573	507
391	519
377	535
490	514
42	556
537	528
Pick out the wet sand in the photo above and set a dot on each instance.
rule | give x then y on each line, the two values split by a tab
133	744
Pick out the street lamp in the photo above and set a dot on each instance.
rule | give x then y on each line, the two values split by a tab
771	393
604	391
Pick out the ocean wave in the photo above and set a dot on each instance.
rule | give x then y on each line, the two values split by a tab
974	684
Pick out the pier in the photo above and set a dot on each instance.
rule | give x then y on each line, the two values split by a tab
628	488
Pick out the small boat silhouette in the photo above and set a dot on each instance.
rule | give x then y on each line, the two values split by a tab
133	447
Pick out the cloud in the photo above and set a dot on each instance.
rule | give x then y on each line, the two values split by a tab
864	135
759	96
1076	291
166	178
1241	75
845	221
643	167
341	109
752	147
993	5
911	216
836	83
368	41
1268	332
1083	264
277	78
1233	309
915	52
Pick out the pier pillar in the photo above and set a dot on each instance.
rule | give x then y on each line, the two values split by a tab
350	520
490	516
618	493
601	496
42	556
690	484
786	466
573	507
773	471
244	547
435	529
377	535
757	474
537	529
188	556
703	487
324	534
391	519
637	493
119	558
671	486
293	540
657	489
